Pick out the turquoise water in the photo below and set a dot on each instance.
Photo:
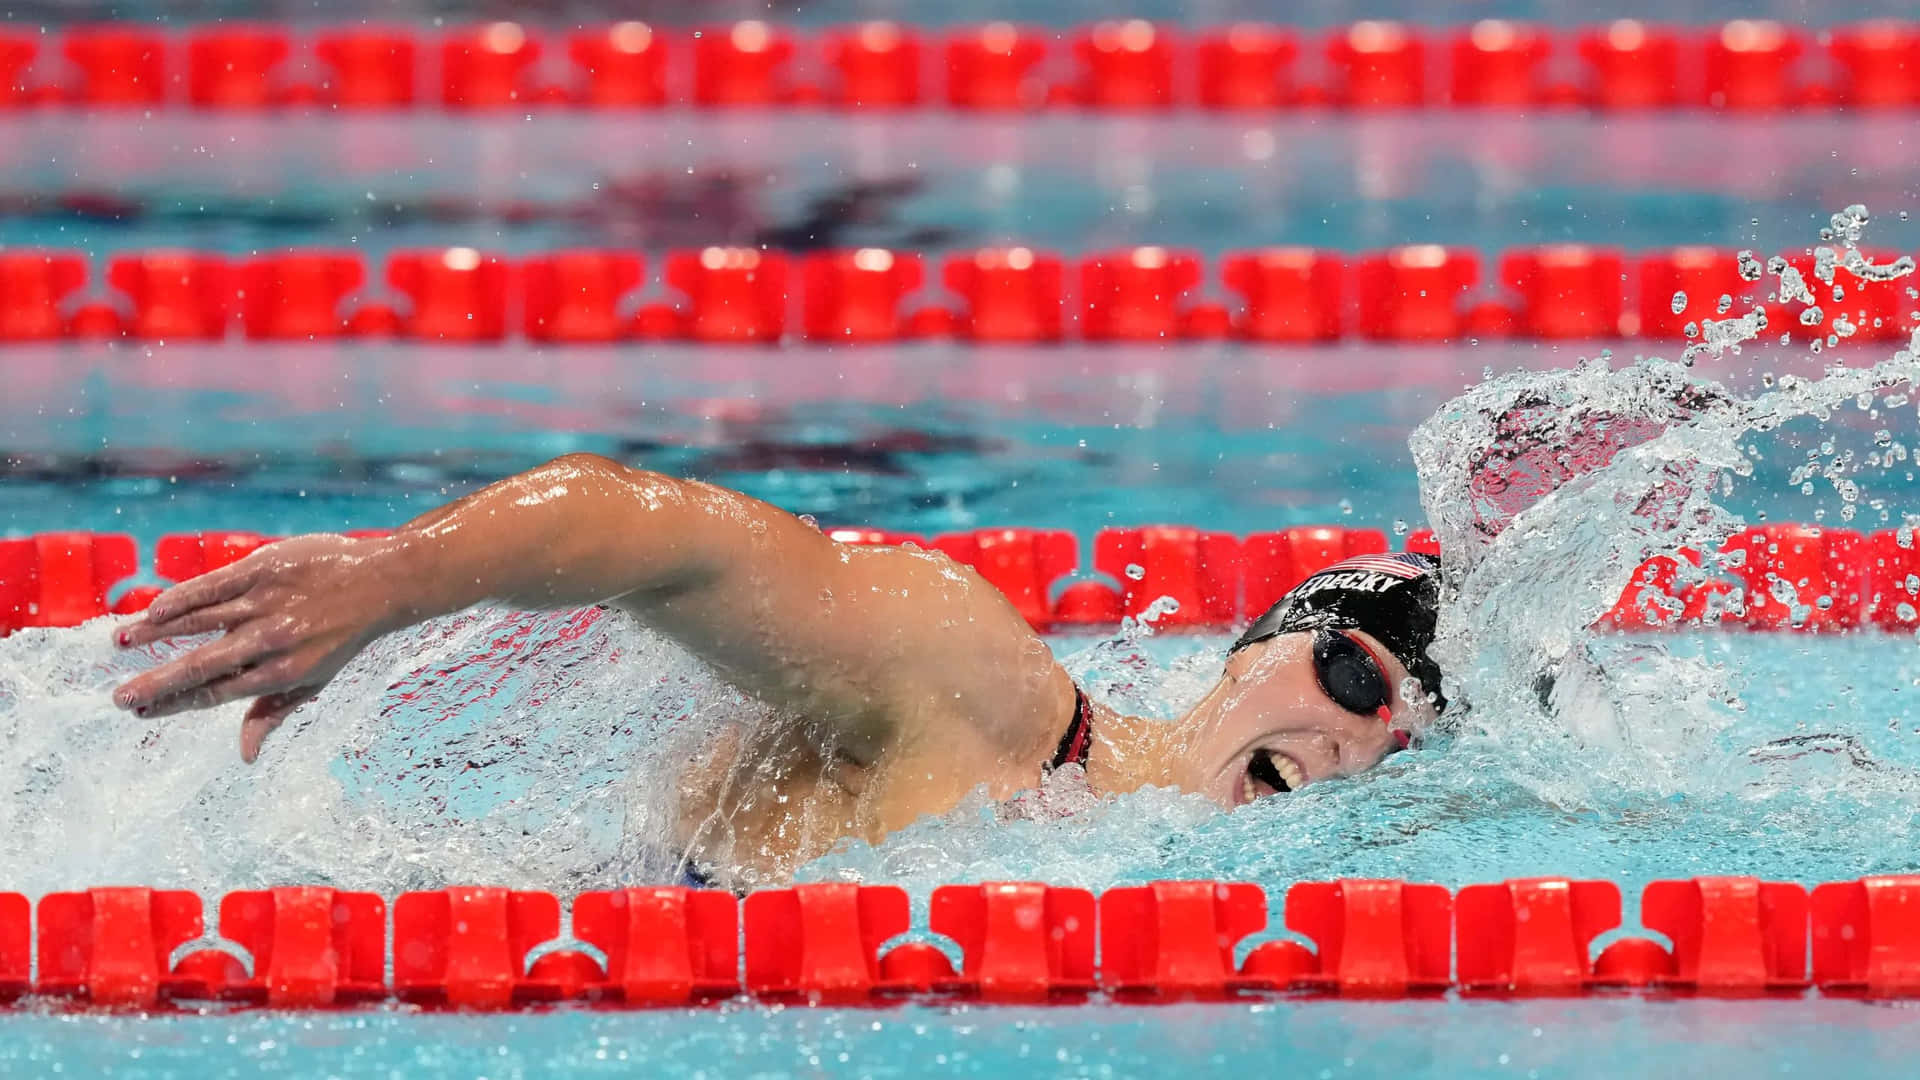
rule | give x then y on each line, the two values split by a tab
1323	1039
927	439
1839	800
521	182
1815	775
151	441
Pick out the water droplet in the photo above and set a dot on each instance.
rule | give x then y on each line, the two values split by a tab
1678	303
1135	571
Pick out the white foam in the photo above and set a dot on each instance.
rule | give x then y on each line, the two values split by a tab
539	750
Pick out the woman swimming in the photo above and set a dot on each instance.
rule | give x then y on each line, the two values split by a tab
913	680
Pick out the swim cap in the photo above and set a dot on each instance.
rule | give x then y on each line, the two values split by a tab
1395	598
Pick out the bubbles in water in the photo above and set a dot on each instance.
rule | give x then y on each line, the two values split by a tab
485	746
1861	267
1793	287
1547	490
1679	302
531	750
1135	571
1847	225
1159	609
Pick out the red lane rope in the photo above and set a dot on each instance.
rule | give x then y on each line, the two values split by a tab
471	948
1119	64
1416	293
1844	580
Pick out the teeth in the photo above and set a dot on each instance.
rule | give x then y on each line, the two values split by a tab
1271	770
1289	771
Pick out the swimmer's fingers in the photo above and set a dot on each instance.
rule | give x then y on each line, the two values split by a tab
268	713
207	589
272	677
194	671
204	620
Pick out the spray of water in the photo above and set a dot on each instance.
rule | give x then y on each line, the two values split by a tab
492	746
1547	489
543	750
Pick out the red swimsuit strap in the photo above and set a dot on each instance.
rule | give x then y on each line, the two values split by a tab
1078	739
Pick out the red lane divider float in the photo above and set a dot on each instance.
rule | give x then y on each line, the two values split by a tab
63	579
1533	936
1125	64
1778	577
664	946
1176	938
491	949
1423	293
16	946
1731	936
1019	942
467	947
1862	942
1785	577
114	946
311	947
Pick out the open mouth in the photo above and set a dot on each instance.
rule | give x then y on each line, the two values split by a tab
1270	773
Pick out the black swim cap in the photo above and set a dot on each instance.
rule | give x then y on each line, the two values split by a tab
1395	598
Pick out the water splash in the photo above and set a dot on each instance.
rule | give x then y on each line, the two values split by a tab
537	750
1548	488
492	746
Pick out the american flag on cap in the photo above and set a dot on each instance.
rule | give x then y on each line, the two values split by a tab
1400	565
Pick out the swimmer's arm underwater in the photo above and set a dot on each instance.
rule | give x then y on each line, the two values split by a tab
869	640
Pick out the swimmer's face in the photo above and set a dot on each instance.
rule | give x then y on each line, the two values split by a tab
1267	727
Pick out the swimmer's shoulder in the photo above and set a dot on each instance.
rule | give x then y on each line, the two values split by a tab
967	660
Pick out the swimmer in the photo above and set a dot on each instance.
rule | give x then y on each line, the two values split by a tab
914	681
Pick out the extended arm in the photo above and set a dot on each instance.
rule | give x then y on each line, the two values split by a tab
856	637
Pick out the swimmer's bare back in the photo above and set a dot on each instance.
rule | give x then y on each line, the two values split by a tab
920	680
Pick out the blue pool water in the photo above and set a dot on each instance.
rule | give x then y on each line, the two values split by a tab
151	439
1327	1039
935	181
1840	802
1813	775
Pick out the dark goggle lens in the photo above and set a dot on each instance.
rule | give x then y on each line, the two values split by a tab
1348	674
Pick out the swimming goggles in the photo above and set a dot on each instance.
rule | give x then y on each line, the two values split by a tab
1352	677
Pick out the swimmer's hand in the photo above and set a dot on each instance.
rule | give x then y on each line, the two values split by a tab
292	615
